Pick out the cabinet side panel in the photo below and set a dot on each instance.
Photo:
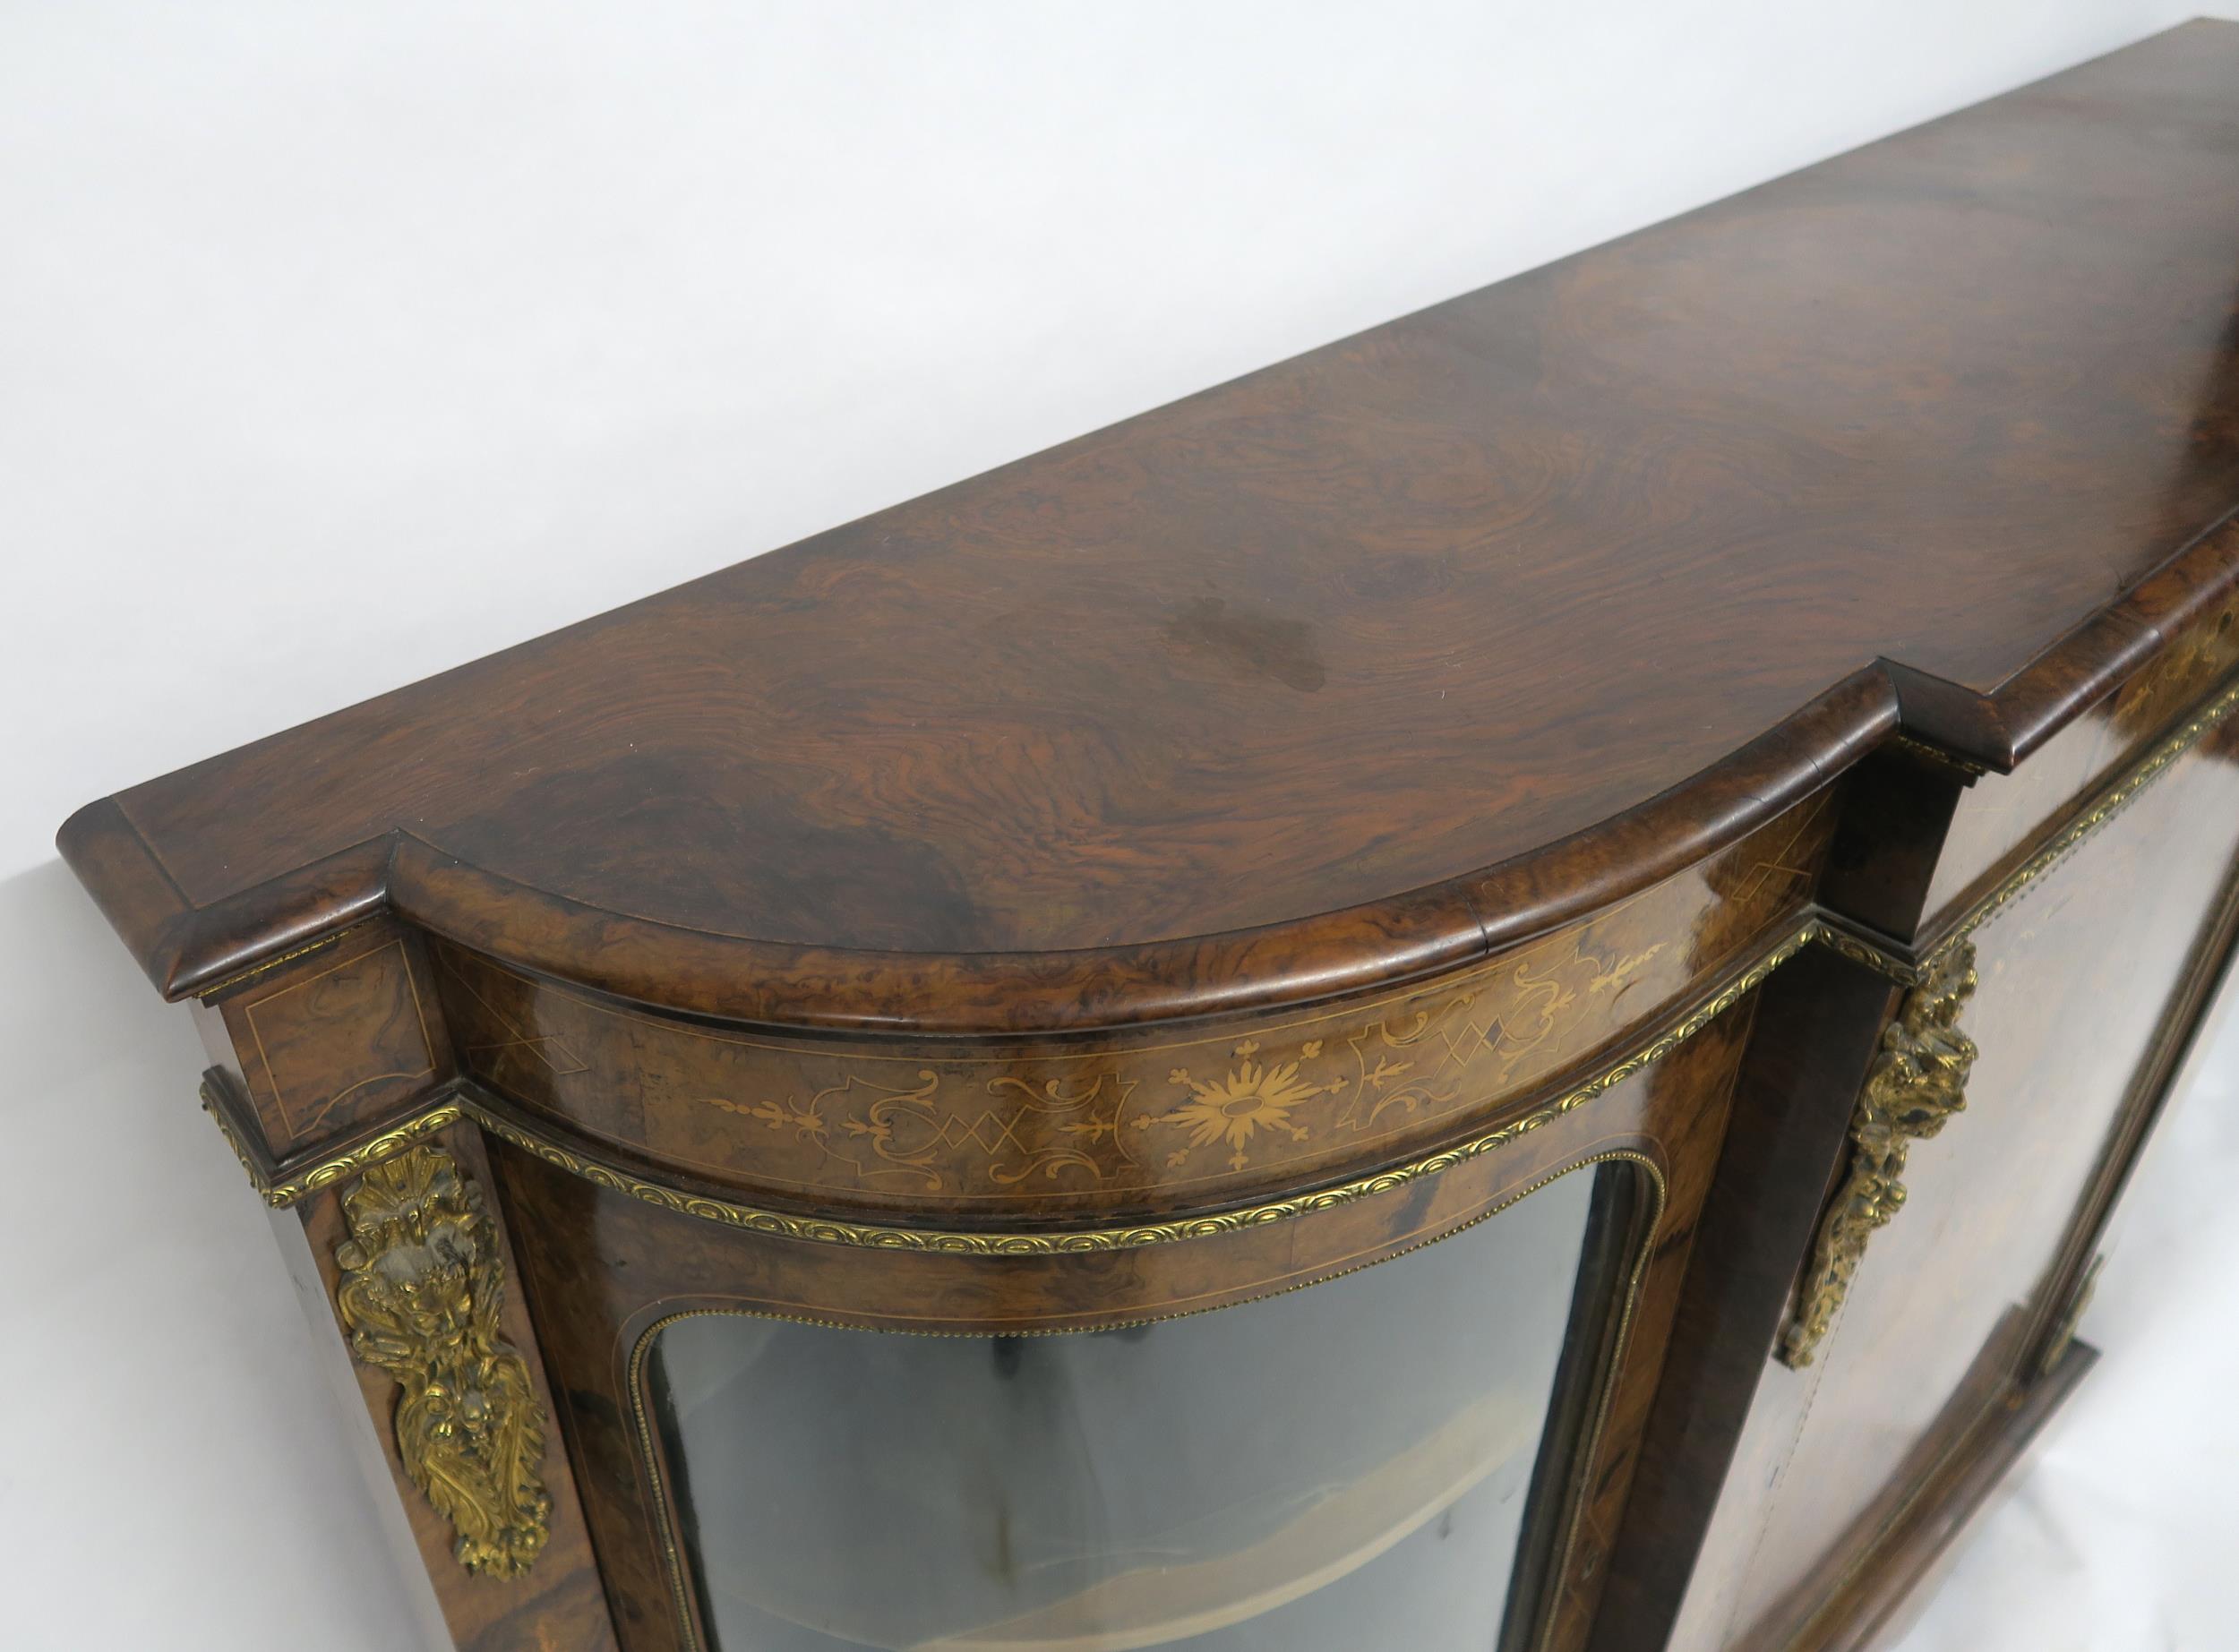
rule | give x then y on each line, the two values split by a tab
1951	1302
1816	1028
556	1601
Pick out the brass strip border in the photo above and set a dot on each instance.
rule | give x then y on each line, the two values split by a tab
1895	966
1936	754
1574	1507
1909	969
218	989
2109	803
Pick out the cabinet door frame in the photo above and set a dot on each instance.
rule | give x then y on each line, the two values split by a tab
605	1266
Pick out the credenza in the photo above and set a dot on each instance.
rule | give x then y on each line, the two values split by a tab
1486	990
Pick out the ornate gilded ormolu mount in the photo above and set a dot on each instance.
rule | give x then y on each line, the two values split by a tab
1917	1082
420	1289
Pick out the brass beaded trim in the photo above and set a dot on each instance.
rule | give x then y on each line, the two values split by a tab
1861	951
2110	803
1910	971
266	966
1937	754
650	1456
821	1231
286	1190
1896	967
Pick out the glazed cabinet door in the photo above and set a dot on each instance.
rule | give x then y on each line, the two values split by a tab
1313	1471
1401	1409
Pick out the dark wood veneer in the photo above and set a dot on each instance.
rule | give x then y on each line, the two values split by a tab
1820	1025
560	1605
610	1268
1563	725
1637	548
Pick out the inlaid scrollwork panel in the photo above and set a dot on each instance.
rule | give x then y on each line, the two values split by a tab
1154	1118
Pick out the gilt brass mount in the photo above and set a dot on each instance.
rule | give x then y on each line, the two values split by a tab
1917	1082
420	1289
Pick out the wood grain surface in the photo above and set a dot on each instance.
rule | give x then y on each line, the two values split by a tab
1353	669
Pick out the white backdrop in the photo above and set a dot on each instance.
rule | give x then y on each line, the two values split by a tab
340	343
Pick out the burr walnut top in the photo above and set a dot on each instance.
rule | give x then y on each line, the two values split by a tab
1357	666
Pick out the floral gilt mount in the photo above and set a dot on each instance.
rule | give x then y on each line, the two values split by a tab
420	1291
1917	1083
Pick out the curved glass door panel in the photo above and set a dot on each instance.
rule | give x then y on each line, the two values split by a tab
1359	1463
